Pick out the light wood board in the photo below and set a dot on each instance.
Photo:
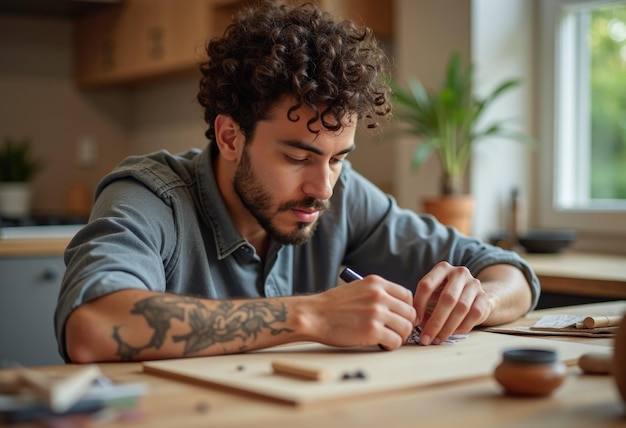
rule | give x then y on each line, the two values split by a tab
411	366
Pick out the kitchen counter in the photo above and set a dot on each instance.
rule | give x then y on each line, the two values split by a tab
581	274
33	247
34	237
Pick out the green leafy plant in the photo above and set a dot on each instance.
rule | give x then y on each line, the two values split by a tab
16	161
447	120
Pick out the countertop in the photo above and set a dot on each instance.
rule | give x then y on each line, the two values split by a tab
33	240
33	247
607	267
581	274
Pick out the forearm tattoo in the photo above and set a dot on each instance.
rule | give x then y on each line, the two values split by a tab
226	323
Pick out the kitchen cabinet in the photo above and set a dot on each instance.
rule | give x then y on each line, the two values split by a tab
29	287
376	14
140	40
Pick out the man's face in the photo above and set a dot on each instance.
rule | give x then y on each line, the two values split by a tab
286	174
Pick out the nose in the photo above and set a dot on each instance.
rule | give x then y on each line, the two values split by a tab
319	183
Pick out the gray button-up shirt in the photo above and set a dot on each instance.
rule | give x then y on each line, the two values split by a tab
159	223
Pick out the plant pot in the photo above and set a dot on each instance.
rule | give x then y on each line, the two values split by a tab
15	199
455	211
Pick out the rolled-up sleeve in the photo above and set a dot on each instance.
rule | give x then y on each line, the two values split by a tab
125	247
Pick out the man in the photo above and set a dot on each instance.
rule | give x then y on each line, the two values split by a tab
238	247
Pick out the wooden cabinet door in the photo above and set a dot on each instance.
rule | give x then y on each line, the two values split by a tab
96	46
140	39
376	14
143	39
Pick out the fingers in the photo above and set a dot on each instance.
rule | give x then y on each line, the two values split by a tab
456	299
391	316
398	315
394	333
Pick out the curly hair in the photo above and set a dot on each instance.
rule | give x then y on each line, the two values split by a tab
275	50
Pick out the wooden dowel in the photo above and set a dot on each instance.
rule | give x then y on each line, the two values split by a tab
300	371
602	321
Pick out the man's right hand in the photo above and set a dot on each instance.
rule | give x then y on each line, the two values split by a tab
371	311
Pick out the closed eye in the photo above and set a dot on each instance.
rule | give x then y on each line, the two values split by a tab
336	161
296	161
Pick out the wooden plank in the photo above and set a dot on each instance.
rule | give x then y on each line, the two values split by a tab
409	367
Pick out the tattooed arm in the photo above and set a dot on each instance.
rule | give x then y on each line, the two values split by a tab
137	325
140	325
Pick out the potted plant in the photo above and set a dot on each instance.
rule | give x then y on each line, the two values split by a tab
17	168
447	121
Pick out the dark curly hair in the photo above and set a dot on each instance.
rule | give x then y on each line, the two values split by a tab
274	50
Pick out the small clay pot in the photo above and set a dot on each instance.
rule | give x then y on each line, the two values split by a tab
619	359
530	372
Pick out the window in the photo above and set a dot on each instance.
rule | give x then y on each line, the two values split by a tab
582	115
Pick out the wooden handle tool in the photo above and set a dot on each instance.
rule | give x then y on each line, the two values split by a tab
602	321
596	363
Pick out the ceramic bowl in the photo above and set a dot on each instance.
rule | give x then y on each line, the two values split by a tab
546	241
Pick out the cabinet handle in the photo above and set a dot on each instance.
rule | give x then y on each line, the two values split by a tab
50	274
107	55
155	42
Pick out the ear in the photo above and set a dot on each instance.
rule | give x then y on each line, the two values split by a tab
228	136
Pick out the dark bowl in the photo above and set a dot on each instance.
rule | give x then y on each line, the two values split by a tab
546	241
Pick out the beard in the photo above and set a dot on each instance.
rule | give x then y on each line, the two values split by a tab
259	201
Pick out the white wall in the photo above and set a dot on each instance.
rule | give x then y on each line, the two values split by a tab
427	33
502	48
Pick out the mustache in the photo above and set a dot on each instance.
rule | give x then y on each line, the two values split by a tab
309	203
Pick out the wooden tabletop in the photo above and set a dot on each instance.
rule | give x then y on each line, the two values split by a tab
582	401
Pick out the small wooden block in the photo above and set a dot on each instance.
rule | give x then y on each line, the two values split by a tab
301	371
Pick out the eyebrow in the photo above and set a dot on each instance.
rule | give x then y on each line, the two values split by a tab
313	149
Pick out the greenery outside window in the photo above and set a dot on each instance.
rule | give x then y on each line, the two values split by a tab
591	121
582	112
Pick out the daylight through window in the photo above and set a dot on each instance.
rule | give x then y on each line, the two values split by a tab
590	153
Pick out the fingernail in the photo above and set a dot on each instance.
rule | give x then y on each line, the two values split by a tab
425	339
437	341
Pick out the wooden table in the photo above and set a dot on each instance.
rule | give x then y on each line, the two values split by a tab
583	401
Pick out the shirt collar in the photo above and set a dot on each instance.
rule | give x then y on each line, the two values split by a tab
227	237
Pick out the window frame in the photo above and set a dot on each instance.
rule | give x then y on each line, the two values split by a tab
606	222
